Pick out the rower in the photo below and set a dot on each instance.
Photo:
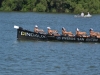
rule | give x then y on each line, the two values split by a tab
80	34
94	34
36	30
52	32
65	33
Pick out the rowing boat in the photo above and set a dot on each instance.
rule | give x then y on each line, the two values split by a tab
30	35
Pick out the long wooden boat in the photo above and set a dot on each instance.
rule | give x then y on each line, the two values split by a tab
30	35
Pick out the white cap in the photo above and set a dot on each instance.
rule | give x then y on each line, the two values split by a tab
48	28
77	29
36	26
63	28
91	29
16	27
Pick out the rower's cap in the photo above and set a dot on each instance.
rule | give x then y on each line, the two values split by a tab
48	28
91	29
63	28
36	26
77	29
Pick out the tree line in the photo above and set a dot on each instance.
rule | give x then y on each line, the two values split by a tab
65	6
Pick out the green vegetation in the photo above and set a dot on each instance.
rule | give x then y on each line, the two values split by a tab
66	6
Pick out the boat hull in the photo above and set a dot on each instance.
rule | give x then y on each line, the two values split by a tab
29	35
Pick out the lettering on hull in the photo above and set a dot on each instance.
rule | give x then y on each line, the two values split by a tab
80	39
63	38
32	35
69	38
92	39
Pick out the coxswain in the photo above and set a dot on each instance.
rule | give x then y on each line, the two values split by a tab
65	33
36	30
52	32
80	34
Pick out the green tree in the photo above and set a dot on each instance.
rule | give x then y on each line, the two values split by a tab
1	2
28	5
78	8
40	7
11	5
68	6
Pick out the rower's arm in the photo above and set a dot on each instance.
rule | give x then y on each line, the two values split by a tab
54	30
40	30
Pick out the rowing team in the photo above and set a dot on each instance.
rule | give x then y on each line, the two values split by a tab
66	33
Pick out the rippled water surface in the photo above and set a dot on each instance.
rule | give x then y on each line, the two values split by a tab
47	57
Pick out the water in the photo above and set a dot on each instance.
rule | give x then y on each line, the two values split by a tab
45	57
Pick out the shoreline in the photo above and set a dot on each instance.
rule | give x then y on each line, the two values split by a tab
50	12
